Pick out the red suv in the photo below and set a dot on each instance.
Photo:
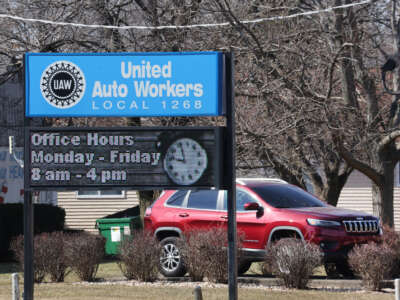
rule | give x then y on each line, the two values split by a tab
267	210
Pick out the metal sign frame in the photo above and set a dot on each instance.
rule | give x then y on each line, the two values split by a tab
229	182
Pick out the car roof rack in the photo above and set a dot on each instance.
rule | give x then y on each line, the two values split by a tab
242	181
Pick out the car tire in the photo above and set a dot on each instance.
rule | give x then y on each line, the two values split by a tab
331	271
340	269
171	263
243	267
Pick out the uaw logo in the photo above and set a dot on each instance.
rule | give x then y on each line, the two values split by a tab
62	84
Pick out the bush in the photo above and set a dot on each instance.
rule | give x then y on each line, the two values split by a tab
293	261
193	250
205	254
391	239
53	245
372	262
39	260
84	253
139	256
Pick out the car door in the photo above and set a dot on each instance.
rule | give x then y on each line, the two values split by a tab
201	210
249	225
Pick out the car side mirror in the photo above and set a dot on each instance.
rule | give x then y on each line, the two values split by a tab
255	206
251	206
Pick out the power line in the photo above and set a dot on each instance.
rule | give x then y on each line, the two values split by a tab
140	27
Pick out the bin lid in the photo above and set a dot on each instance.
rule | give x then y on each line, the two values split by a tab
116	220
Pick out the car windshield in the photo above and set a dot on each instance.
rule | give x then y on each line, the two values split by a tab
286	196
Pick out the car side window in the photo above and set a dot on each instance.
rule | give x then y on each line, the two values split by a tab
204	199
242	198
177	198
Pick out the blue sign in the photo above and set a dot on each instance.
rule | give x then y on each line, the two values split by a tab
123	84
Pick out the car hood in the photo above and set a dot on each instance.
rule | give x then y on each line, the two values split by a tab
331	212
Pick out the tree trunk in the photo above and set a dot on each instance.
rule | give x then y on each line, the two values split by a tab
146	198
330	191
332	194
382	197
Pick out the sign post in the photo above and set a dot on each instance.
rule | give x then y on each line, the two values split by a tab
28	224
231	175
129	85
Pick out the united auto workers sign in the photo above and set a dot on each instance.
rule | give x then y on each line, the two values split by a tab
142	157
123	84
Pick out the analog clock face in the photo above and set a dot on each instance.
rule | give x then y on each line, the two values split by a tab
185	161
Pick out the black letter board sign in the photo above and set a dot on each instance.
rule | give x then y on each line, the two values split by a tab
142	158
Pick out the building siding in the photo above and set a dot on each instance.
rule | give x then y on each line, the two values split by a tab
82	213
357	194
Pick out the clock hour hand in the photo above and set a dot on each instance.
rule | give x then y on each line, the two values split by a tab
183	154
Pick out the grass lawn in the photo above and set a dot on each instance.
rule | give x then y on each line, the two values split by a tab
72	289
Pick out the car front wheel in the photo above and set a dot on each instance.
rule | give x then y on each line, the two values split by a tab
171	263
339	269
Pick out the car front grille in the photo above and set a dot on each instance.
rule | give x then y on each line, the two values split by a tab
364	226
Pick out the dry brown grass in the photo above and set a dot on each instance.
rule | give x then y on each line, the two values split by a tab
72	290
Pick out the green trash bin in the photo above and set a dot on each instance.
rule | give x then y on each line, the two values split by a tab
115	230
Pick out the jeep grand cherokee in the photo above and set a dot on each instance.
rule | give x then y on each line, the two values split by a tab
267	210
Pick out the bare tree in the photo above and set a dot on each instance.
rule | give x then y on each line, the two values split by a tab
309	100
282	103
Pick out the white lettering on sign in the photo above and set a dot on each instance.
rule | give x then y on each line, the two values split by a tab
51	175
54	139
70	157
58	175
119	105
102	90
146	70
135	157
94	139
168	89
62	84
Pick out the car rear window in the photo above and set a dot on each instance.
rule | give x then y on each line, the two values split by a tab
177	198
286	196
204	199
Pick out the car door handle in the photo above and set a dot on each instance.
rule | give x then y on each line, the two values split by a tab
184	215
224	217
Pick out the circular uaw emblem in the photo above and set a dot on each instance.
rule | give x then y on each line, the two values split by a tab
62	84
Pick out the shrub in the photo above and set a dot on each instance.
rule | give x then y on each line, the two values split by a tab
205	254
39	260
53	245
139	256
84	253
391	239
193	250
372	262
293	261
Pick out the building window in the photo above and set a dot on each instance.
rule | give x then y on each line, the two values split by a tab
100	194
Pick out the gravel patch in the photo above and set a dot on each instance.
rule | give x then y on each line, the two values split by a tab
270	284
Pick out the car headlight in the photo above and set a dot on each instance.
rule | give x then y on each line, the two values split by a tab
323	223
